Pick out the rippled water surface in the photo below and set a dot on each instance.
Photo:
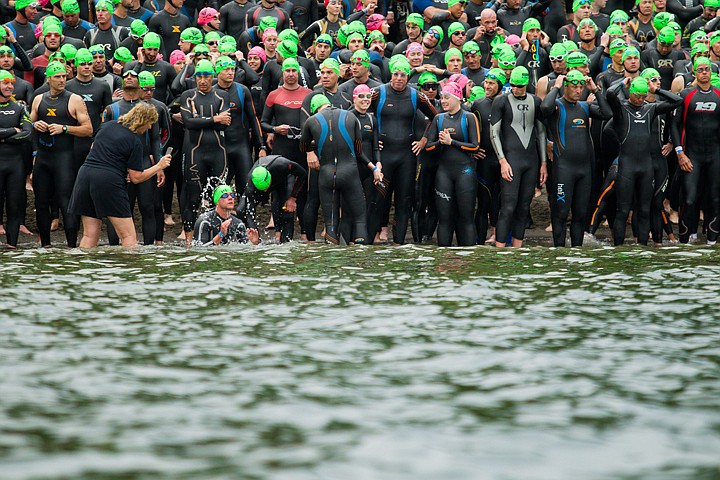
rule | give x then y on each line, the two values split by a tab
296	362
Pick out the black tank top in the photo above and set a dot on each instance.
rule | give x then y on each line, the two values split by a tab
56	110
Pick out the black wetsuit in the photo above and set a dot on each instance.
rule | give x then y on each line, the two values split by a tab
288	180
455	181
518	135
634	185
573	162
97	95
338	137
696	128
664	64
395	113
245	128
232	17
169	28
164	74
55	168
204	147
208	224
12	171
488	173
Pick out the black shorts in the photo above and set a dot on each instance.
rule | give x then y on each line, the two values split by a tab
100	193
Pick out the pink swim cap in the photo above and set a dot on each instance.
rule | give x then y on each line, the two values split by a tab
512	40
269	31
361	89
206	15
413	47
374	22
459	79
260	52
452	88
177	56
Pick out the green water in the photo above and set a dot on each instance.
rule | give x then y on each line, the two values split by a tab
315	362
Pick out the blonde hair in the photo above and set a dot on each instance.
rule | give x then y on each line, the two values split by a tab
140	115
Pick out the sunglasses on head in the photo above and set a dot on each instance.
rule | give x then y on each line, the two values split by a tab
227	195
8	80
557	58
429	86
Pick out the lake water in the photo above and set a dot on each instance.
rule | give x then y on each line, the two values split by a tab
299	362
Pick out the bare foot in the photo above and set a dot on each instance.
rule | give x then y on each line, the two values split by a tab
271	224
54	225
169	220
490	240
24	230
384	234
181	236
548	228
2	229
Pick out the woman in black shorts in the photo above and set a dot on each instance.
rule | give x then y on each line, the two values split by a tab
116	154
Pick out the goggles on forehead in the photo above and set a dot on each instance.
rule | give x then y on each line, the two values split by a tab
557	58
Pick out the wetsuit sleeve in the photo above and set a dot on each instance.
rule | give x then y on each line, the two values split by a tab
616	107
190	118
237	231
179	85
376	145
360	155
255	129
433	141
541	139
155	143
600	108
251	76
473	143
306	136
669	102
22	61
307	37
539	7
424	105
300	175
268	115
498	108
548	106
596	62
682	12
203	231
251	202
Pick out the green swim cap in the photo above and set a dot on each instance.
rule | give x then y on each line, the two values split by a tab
204	67
83	55
287	48
438	31
639	86
588	21
577	4
576	59
530	24
416	19
342	35
630	52
324	38
332	64
146	79
499	49
401	65
192	35
228	39
70	7
317	102
223	62
427	77
570	46
507	60
666	36
614	30
699	49
701	61
57	55
649	73
49	27
68	52
227	47
558	50
105	5
712	3
4	74
471	46
261	177
573	76
219	191
5	50
355	35
476	92
662	19
375	35
54	68
675	26
122	54
289	34
453	52
455	27
138	28
695	35
151	40
714	38
617	45
520	76
618	16
290	63
210	36
200	49
361	56
715	80
22	4
497	75
357	26
267	22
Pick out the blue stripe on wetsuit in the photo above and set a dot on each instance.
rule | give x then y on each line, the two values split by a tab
344	133
561	126
241	96
323	133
